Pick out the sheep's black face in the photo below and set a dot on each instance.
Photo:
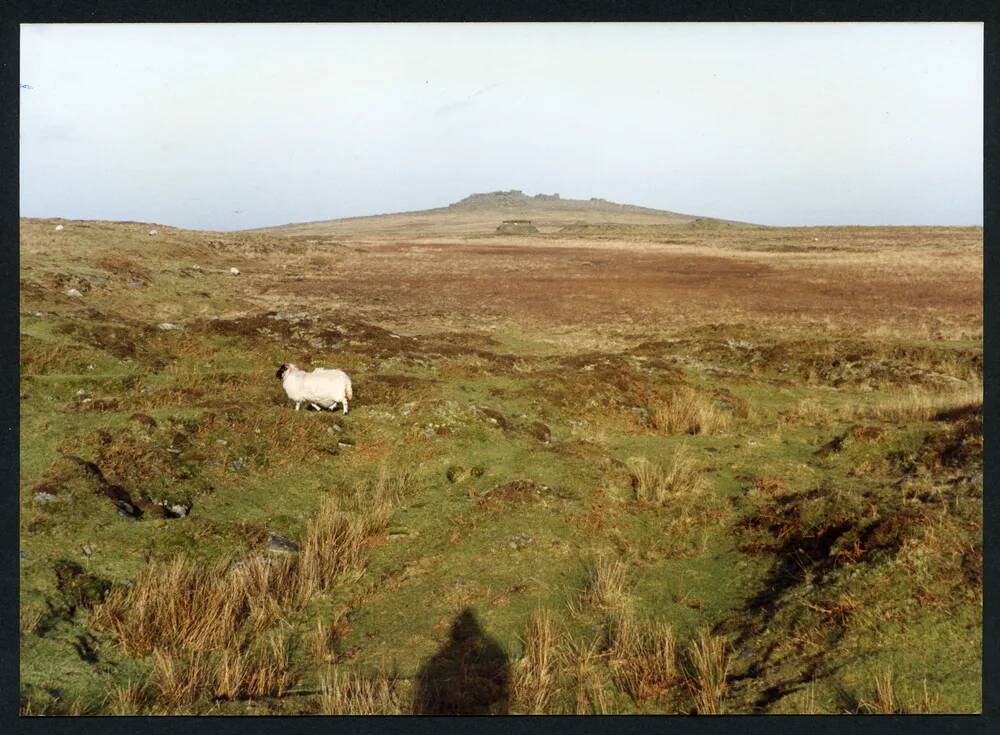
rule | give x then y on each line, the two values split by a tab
281	372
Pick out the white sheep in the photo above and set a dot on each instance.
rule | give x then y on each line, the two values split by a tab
322	388
153	233
59	228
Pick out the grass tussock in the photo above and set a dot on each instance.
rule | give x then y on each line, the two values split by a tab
709	664
641	654
590	697
887	699
132	698
345	693
607	584
183	604
808	412
29	619
261	671
921	404
535	682
656	484
323	639
688	411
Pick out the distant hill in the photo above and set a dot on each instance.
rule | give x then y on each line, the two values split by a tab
481	214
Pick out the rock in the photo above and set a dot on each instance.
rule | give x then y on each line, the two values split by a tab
174	510
223	442
540	431
168	327
234	271
346	443
43	496
520	541
196	267
72	292
334	428
238	464
81	392
280	544
136	284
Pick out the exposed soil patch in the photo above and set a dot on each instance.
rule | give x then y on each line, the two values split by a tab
516	492
562	284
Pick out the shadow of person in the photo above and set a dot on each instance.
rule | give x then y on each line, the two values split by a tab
469	675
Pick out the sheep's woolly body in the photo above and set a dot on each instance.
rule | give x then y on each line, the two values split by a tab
322	388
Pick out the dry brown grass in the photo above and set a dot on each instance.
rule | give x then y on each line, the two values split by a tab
184	604
655	484
336	542
808	411
606	585
346	693
322	640
29	619
535	676
922	404
128	699
641	654
709	667
203	624
180	680
262	671
689	411
589	689
888	699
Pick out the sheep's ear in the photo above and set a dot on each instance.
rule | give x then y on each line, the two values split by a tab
281	372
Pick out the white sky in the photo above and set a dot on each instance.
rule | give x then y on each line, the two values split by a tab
772	123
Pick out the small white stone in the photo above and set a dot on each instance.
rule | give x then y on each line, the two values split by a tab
59	228
152	233
72	292
234	271
168	327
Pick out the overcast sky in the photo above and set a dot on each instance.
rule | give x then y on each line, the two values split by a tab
238	126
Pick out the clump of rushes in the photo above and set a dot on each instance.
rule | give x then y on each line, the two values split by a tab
688	411
921	404
582	660
655	484
707	679
346	693
641	654
183	604
606	585
535	676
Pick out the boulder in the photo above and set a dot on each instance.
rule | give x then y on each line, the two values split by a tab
280	544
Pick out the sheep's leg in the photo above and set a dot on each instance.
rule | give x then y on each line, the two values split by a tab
297	404
315	406
345	406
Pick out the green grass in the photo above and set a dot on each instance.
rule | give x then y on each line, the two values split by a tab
512	530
